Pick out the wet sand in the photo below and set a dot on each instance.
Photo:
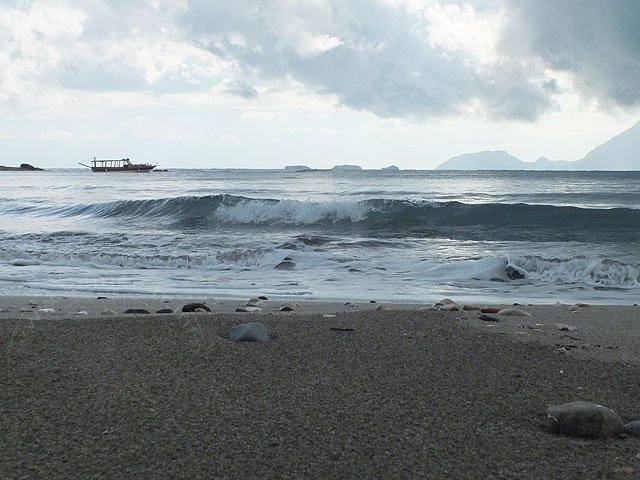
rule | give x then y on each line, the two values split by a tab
398	393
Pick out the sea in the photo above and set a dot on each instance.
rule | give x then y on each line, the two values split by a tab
403	236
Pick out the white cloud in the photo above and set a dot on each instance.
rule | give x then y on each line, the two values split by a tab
395	59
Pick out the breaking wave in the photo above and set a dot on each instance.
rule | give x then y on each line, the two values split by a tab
389	217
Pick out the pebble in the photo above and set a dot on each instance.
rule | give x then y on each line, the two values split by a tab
490	309
514	312
445	301
470	307
200	310
164	310
450	307
584	419
487	318
82	313
136	311
249	332
25	310
248	310
563	327
328	315
380	308
632	428
191	307
108	311
47	310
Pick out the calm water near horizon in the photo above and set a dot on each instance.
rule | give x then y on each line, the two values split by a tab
405	236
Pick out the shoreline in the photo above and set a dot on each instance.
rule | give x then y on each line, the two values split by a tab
603	331
396	392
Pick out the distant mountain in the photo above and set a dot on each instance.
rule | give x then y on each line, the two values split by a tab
492	160
622	152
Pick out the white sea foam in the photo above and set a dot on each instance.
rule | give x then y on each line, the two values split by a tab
290	212
588	270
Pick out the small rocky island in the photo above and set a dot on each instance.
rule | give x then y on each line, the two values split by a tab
24	167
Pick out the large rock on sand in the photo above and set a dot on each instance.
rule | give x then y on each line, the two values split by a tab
584	419
249	332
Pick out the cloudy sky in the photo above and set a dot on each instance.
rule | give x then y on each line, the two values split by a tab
242	83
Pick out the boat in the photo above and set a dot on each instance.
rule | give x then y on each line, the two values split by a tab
122	165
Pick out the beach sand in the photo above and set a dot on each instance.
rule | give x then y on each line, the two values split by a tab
341	391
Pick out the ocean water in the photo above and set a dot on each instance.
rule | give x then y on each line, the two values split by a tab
406	236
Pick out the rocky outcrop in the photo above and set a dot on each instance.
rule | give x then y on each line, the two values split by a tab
24	167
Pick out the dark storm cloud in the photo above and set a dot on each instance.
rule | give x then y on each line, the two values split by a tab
598	41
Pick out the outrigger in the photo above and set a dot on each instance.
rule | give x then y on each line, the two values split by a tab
122	165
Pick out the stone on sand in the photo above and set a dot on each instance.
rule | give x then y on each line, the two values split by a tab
249	332
563	327
584	419
191	307
632	428
514	312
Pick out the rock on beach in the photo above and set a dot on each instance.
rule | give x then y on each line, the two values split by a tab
584	419
249	332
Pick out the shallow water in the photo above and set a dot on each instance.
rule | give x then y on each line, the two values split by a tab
412	236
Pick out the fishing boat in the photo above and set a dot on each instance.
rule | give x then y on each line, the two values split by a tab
122	165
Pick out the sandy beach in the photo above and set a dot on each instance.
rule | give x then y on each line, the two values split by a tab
341	390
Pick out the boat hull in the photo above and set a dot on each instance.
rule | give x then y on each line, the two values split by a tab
128	169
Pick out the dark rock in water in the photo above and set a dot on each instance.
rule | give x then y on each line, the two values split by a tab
372	301
513	273
262	297
241	310
496	279
288	246
165	310
312	241
584	419
286	308
632	428
249	332
137	311
191	307
487	318
101	298
286	264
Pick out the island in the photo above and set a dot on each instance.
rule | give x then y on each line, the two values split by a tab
24	167
297	168
342	168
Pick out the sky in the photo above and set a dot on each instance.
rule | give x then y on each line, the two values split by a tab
270	83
